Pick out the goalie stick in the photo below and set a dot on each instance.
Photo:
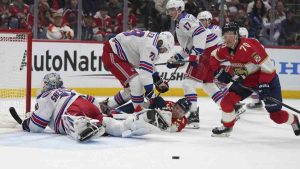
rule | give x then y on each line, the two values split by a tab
15	115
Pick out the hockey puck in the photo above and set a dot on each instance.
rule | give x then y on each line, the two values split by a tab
175	157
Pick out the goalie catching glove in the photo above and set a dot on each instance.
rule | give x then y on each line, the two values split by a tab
160	85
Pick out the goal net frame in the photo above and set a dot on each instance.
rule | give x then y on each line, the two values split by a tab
28	33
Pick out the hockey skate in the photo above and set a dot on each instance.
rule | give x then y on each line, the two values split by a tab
296	126
193	120
221	131
105	109
239	109
254	105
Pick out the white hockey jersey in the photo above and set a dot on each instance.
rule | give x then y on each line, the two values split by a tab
139	49
216	30
49	108
193	37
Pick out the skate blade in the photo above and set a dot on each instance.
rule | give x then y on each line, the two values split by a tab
220	135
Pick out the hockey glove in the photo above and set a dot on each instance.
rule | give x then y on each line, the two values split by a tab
223	76
263	91
160	85
194	60
175	61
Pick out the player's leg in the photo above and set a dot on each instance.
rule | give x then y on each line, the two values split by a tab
256	102
190	93
278	115
83	120
235	94
134	125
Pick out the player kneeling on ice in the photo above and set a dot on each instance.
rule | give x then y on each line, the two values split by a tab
67	112
167	115
248	59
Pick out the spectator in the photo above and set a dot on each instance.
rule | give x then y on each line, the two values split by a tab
44	18
58	30
70	15
195	6
114	8
241	19
87	27
103	24
280	10
20	14
251	5
132	21
290	30
56	4
255	18
161	22
92	6
264	36
4	13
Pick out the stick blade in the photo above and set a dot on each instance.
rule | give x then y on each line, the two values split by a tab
15	115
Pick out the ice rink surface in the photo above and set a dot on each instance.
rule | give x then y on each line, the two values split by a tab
255	143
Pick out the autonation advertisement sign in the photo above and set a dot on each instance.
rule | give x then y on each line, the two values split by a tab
81	66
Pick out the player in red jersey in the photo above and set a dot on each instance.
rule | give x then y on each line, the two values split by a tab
174	113
249	60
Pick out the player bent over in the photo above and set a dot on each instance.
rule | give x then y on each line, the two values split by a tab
67	112
197	44
130	57
248	59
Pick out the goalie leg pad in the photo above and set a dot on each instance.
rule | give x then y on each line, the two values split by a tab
82	128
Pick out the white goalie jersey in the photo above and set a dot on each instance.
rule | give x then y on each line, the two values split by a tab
193	37
49	108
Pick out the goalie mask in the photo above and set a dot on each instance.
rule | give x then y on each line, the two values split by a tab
52	81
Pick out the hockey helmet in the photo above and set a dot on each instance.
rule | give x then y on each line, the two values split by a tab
185	104
52	81
175	4
205	15
243	32
230	27
166	40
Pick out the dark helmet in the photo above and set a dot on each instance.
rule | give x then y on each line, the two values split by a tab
184	104
230	27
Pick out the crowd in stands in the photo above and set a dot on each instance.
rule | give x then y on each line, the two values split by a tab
58	19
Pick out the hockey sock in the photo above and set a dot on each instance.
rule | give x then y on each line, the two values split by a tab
120	98
214	92
137	91
189	87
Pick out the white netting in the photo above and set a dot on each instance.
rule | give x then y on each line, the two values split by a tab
13	73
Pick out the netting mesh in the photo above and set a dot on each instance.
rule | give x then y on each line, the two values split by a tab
13	73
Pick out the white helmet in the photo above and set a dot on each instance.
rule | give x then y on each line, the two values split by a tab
205	15
175	4
167	40
243	32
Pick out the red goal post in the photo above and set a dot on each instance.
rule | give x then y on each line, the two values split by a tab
15	69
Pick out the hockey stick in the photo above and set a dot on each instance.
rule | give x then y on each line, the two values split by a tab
177	62
268	98
15	115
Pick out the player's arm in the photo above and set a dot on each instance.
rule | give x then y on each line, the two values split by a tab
260	57
40	117
178	124
198	34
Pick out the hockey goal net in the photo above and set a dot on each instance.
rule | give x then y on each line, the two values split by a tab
15	73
